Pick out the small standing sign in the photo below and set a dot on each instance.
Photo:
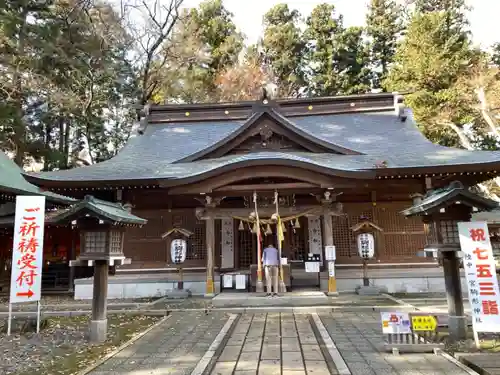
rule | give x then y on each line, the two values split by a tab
480	273
27	254
395	322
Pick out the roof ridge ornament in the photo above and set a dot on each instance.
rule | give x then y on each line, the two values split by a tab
400	107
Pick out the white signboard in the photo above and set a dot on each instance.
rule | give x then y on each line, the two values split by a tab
228	281
482	283
395	322
331	269
330	253
312	266
27	251
241	281
366	245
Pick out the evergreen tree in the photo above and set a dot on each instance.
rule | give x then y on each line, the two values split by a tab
283	49
353	62
323	28
431	63
383	27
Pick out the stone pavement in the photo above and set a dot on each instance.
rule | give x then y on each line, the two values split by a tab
273	344
358	339
172	348
270	344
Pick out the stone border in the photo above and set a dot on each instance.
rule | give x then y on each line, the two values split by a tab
236	310
209	354
337	358
399	301
456	362
123	346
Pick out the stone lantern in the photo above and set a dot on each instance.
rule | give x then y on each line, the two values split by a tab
441	210
102	228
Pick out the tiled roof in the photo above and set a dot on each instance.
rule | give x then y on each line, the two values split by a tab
13	182
447	196
108	211
115	213
380	136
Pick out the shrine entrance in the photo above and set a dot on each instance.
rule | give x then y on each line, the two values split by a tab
295	248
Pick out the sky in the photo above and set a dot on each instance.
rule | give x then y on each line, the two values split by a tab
484	17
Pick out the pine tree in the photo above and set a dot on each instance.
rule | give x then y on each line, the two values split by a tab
383	27
323	30
283	49
431	63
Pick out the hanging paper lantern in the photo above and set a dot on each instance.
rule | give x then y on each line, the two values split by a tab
268	230
297	223
241	226
366	245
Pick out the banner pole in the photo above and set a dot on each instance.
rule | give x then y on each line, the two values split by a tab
259	286
38	308
278	233
9	320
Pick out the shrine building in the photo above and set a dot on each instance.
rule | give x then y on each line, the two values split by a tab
194	170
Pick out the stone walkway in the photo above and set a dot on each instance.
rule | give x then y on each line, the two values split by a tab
270	344
172	348
358	339
273	344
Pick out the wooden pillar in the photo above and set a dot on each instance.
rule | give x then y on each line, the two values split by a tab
98	323
210	239
72	256
328	241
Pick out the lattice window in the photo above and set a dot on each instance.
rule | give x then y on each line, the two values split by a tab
403	245
196	249
115	242
431	235
449	231
295	240
342	236
95	242
246	245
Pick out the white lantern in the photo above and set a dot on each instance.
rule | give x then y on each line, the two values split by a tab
178	249
366	245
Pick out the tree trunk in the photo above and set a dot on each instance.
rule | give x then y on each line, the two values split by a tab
19	127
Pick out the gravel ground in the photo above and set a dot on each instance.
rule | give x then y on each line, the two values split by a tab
67	303
62	348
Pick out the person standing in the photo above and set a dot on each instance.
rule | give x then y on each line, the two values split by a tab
270	259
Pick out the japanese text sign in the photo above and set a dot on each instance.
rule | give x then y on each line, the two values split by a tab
27	251
395	322
480	272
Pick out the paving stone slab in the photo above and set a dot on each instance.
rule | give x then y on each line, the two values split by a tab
316	368
269	367
230	353
292	361
224	368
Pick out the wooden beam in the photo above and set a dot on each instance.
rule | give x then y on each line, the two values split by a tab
266	187
264	212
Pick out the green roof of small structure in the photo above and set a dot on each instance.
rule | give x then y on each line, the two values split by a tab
114	213
110	212
455	192
12	181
